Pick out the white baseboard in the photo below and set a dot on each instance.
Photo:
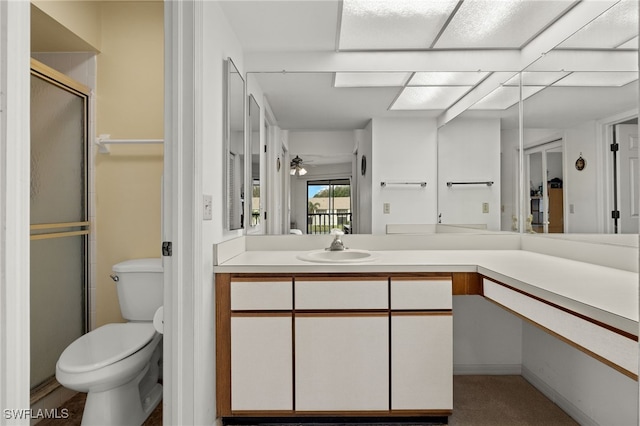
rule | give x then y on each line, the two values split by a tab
567	406
487	369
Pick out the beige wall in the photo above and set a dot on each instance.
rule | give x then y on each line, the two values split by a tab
75	25
129	105
129	99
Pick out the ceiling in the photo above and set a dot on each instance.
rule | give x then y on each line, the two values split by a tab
310	101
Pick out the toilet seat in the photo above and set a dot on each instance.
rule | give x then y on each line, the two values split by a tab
104	346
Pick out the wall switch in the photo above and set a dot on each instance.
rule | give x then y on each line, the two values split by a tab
207	207
485	207
386	208
571	209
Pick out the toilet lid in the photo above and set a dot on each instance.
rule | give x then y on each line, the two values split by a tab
104	346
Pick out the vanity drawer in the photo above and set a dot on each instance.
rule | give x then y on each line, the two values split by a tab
336	293
433	293
263	295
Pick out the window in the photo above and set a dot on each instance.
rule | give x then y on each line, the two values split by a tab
328	206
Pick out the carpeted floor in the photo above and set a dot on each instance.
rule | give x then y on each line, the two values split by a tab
502	401
477	401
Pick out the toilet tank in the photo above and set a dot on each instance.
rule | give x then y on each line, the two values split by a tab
140	288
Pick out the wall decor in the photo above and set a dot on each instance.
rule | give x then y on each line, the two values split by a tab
363	165
581	163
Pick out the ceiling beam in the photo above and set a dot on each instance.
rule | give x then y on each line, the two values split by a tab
428	60
576	18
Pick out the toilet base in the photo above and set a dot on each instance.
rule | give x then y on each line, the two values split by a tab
123	405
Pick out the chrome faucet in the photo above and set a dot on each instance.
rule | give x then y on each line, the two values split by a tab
336	244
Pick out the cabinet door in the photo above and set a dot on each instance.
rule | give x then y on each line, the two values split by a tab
342	362
261	363
422	361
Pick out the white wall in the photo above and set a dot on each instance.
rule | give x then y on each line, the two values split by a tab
590	391
509	178
469	151
326	143
403	150
580	186
365	183
486	338
214	43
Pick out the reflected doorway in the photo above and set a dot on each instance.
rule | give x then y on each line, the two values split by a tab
329	206
545	176
624	152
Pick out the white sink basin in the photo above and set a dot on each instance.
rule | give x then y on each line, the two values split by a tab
341	256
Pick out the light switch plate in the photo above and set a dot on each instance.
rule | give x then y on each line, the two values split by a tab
485	207
207	207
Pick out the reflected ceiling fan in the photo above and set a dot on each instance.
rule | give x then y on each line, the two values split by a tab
296	167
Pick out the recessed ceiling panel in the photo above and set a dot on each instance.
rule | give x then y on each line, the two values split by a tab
598	79
392	24
505	96
283	25
613	28
371	79
454	78
500	24
429	98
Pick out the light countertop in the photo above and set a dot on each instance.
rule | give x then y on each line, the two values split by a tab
603	293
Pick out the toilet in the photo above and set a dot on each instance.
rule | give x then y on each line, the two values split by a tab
119	365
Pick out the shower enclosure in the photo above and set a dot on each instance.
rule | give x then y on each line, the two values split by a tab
59	217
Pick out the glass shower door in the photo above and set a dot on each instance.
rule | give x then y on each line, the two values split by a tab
59	220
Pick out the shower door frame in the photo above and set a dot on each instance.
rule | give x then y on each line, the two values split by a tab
78	228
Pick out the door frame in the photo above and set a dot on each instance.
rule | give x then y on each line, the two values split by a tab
543	147
15	52
605	191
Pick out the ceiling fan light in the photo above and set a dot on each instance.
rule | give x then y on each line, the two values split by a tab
302	171
292	171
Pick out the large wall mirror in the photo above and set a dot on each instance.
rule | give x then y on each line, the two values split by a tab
581	130
522	147
416	172
254	169
234	147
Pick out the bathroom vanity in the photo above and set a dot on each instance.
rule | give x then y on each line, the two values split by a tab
375	339
339	344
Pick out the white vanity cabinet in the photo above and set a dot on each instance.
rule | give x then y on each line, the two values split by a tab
261	375
342	362
334	345
261	344
421	344
342	344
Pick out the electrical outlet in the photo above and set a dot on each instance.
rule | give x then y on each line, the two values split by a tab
207	207
571	208
485	207
386	208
